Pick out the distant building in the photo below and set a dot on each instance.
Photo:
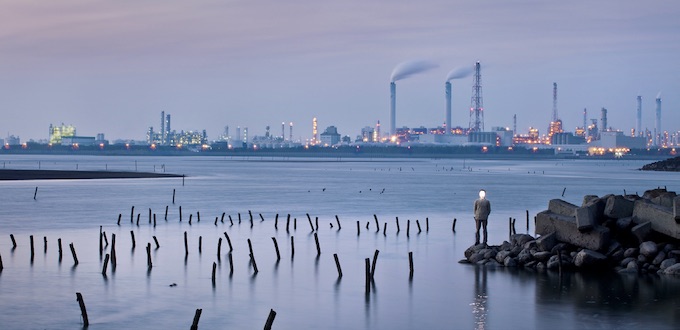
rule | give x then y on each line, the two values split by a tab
566	138
78	141
12	140
368	134
59	132
330	136
616	139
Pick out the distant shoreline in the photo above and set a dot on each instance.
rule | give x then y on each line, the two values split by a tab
12	175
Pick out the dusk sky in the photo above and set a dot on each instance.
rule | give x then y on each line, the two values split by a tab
112	66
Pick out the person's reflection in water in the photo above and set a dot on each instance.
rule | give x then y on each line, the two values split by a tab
479	308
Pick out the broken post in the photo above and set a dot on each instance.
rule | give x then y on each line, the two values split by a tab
186	245
73	252
527	219
113	251
198	216
166	212
368	275
318	248
310	222
385	229
223	214
287	222
132	214
453	227
252	256
83	311
270	320
261	217
398	229
358	228
231	264
173	196
119	216
292	246
276	221
276	247
418	223
337	264
60	250
156	241
214	269
106	264
316	220
375	259
148	255
180	213
219	249
132	235
197	316
35	193
32	248
45	240
408	227
14	242
427	225
228	241
338	221
410	264
200	244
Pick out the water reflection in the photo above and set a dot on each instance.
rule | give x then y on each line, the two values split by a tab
479	305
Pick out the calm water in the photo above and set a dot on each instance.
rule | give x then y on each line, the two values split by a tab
305	290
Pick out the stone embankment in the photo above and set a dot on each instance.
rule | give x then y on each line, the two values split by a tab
670	165
625	233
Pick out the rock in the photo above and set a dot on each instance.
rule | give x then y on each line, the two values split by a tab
626	261
559	247
617	256
661	217
474	249
481	262
628	271
524	257
633	265
520	239
665	199
676	209
642	231
631	252
540	266
667	263
561	207
653	269
488	253
542	256
515	251
613	247
546	242
589	258
653	193
624	223
641	259
502	255
530	245
672	270
565	229
491	263
509	262
476	257
589	199
661	256
530	264
585	218
618	207
505	246
648	249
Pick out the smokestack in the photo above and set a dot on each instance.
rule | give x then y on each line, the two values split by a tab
393	109
283	131
585	122
448	107
603	120
291	131
638	121
657	129
514	124
555	117
162	127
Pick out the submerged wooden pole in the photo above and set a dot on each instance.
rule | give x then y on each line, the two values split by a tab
261	217
83	311
231	221
219	249
106	264
276	247
311	226
228	241
418	223
527	220
120	215
149	215
132	235
223	214
427	224
252	256
316	220
287	221
214	269
166	213
384	228
35	194
276	221
368	275
200	244
231	264
375	259
338	221
180	213
197	316
318	247
45	243
292	246
453	227
73	252
60	249
410	264
32	248
173	196
1	266
270	320
156	241
377	225
337	264
198	216
398	229
408	227
113	251
14	242
186	244
132	214
358	228
148	255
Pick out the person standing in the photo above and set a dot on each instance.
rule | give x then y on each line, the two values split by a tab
482	210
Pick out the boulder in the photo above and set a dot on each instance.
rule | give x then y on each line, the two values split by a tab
624	223
585	218
618	207
561	207
661	256
520	239
661	218
665	199
502	255
589	258
565	230
642	231
648	249
676	209
626	261
524	257
509	262
667	263
672	270
546	242
542	256
476	258
474	249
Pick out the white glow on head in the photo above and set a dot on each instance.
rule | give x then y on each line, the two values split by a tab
482	194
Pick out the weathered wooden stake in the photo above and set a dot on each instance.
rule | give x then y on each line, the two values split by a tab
198	216
113	251
32	248
252	256
219	249
276	247
294	223
427	224
377	225
231	264
197	316
166	213
45	240
408	227
228	241
120	215
563	190
250	214
261	217
106	264
156	241
173	196
398	229
132	235
316	219
318	247
453	227
222	220
180	213
138	215
216	218
310	222
35	193
270	320
83	311
410	264
148	255
514	231
14	242
1	266
60	250
214	269
186	244
190	216
239	218
292	246
154	220
385	229
230	220
200	244
276	221
287	222
106	240
338	221
149	215
418	223
368	275
132	214
510	226
375	259
358	228
337	264
73	252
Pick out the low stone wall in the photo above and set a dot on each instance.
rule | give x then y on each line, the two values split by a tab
628	234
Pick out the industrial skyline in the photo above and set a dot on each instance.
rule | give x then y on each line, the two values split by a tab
112	67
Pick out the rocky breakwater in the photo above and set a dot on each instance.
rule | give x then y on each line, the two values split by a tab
624	233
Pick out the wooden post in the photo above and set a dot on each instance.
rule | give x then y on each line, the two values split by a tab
410	264
60	249
173	196
375	259
239	218
292	246
216	218
270	320
1	266
154	220
338	221
180	213
252	255
214	269
453	227
294	223
510	226
398	229
132	235
408	227
222	220
119	216
113	251
231	264
250	214
156	241
149	215
219	249
45	240
358	228
138	215
231	222
310	222
14	242
316	219
73	252
32	248
166	212
287	221
132	214
368	275
35	193
186	245
514	231
197	316
377	225
276	221
106	240
83	311
261	217
190	216
228	241
318	248
563	190
385	229
418	223
427	225
148	255
198	216
106	264
337	264
276	247
200	244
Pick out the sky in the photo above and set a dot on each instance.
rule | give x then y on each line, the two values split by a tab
112	66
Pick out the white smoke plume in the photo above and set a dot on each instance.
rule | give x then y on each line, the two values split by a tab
406	69
460	72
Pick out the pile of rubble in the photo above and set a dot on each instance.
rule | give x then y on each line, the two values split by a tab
627	233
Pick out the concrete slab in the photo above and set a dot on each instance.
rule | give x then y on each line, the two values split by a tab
565	230
661	218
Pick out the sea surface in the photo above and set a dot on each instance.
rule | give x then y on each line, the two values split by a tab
304	288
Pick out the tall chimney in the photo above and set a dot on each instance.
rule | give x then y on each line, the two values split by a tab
448	107
283	131
555	116
603	120
291	131
162	127
393	109
657	127
585	122
638	122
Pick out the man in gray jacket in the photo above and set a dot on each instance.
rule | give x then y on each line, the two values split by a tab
482	210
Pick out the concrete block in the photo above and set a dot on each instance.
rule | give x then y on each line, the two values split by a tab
561	207
642	231
547	242
618	207
661	218
665	199
585	218
587	199
565	230
676	209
